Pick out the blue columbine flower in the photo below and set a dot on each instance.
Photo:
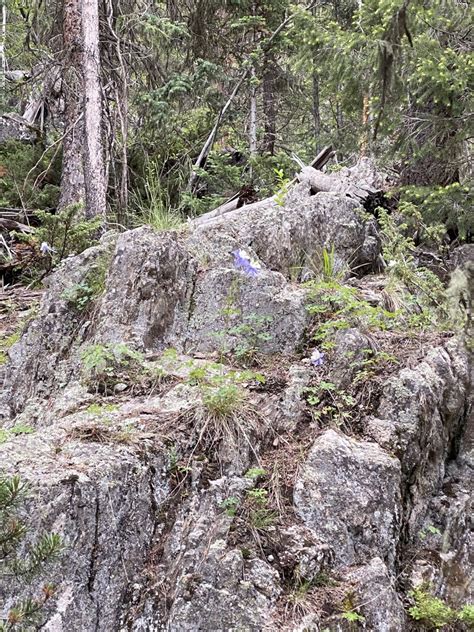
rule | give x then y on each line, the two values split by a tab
317	358
244	262
46	249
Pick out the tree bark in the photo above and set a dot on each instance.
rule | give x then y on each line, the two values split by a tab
253	117
3	37
269	105
94	167
72	175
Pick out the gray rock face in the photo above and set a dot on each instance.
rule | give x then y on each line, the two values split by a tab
350	351
375	591
43	358
13	127
138	483
226	300
348	494
420	418
208	582
102	500
148	293
290	238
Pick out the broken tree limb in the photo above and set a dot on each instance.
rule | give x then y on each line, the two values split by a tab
229	213
345	182
201	161
233	203
11	224
358	183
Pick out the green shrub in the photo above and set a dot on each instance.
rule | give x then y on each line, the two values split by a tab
26	614
222	400
430	610
260	514
67	232
432	211
81	295
30	179
466	615
106	365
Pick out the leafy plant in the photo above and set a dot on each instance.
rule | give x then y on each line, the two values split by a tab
81	295
255	472
254	331
16	430
66	232
430	529
433	210
283	185
260	515
352	616
105	365
430	610
337	306
329	403
230	505
401	265
466	615
101	409
16	564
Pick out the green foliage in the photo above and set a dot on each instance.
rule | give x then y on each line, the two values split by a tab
5	344
230	505
67	231
372	364
101	409
352	616
398	250
260	514
283	183
336	306
28	178
105	365
430	610
466	615
429	530
151	201
82	295
254	332
434	210
330	404
17	429
255	472
222	400
17	565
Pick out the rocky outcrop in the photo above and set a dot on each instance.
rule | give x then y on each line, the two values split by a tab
290	236
181	511
348	494
103	498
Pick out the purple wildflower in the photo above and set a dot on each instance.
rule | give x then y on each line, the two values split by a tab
243	261
317	358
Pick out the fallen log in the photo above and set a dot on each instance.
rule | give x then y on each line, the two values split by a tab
336	183
11	224
233	203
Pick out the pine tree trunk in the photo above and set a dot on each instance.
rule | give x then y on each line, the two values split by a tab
316	110
253	118
269	105
3	38
72	175
94	168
